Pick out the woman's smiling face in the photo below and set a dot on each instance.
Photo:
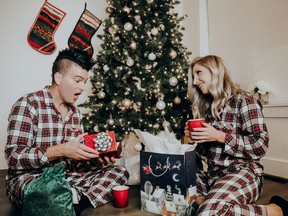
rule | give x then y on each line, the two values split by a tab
202	78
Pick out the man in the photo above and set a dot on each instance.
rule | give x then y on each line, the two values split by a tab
45	128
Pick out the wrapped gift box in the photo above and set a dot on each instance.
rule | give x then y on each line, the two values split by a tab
113	151
168	182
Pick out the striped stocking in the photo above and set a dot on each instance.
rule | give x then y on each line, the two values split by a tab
41	34
84	30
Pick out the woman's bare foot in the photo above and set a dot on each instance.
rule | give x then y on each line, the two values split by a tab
277	206
274	210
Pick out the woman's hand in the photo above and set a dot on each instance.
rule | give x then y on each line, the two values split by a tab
207	134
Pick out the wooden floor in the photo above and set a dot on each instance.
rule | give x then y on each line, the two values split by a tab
272	186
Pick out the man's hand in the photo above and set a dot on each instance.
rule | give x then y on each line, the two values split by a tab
107	160
73	149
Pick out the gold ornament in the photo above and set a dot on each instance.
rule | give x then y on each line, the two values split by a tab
136	108
98	85
126	9
101	94
126	103
177	100
109	9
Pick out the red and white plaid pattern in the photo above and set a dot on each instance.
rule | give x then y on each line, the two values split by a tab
234	178
34	125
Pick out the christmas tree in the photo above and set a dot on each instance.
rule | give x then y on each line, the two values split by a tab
140	79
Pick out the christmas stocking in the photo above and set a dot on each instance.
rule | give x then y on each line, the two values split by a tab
84	30
41	34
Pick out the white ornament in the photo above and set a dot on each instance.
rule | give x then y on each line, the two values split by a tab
166	124
101	94
128	26
173	54
96	128
160	105
154	31
173	81
152	56
110	121
130	62
105	68
133	45
138	147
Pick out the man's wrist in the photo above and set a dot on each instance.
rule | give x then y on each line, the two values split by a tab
55	151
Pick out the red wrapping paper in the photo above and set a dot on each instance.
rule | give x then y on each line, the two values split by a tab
113	151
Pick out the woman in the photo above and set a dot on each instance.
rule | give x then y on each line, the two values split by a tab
233	140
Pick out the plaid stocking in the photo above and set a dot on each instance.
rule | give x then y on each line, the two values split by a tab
41	34
84	30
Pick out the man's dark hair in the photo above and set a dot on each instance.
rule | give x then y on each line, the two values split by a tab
75	55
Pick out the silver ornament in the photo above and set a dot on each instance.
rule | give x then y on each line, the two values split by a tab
160	105
96	128
152	56
130	62
173	81
138	147
105	68
128	26
154	31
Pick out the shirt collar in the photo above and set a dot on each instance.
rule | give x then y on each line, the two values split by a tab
49	100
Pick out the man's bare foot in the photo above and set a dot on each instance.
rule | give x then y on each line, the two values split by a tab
200	199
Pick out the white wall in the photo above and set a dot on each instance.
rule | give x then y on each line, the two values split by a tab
251	36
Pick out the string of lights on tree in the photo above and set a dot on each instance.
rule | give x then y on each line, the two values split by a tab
141	76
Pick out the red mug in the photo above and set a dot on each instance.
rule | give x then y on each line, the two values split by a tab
195	123
120	196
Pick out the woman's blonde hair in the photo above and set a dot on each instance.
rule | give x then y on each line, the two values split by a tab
220	90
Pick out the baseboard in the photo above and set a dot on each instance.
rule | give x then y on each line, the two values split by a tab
3	172
275	167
